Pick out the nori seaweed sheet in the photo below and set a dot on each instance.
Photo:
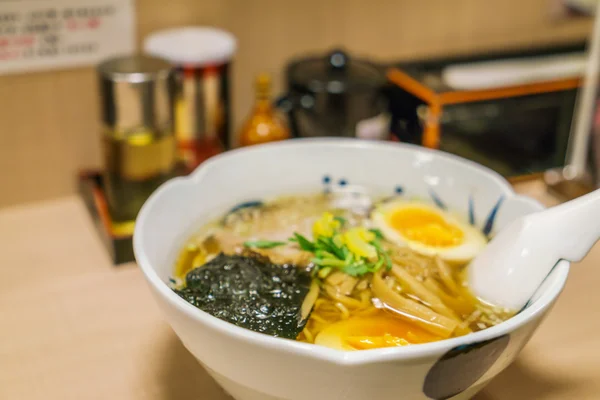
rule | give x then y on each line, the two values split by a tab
250	292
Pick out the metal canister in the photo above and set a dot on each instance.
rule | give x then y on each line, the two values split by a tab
202	57
137	95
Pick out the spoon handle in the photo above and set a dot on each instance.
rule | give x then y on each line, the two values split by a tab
577	222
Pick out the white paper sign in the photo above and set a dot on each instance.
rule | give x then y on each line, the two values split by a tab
48	34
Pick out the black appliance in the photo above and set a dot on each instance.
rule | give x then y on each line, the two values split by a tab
336	95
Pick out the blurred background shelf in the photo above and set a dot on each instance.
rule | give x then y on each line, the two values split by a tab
51	116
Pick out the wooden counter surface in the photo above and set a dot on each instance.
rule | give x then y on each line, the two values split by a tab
72	326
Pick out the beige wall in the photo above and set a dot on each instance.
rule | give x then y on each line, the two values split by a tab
49	120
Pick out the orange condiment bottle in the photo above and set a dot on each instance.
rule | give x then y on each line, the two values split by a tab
263	125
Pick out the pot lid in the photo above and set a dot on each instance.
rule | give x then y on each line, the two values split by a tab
335	73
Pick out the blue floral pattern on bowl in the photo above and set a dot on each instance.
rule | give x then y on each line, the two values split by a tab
488	225
461	367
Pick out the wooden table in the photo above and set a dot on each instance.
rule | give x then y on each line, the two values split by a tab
72	326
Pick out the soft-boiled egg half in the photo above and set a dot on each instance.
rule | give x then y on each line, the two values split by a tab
428	230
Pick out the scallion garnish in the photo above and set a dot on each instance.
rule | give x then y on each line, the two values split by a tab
341	220
355	251
303	242
377	232
263	244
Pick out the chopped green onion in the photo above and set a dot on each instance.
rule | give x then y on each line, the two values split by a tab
349	259
378	265
263	244
341	220
324	254
328	245
331	253
382	254
377	232
329	262
303	242
337	240
356	269
324	272
388	261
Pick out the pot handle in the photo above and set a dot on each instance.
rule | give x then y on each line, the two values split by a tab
284	103
288	103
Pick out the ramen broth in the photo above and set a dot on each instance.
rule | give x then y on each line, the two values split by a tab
384	275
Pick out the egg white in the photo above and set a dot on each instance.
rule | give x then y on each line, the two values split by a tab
473	239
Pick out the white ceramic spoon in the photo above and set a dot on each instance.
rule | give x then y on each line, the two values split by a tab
518	259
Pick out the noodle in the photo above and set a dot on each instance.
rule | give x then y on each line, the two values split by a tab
416	288
412	311
461	306
309	300
367	312
345	300
309	336
365	297
344	310
345	284
316	317
446	276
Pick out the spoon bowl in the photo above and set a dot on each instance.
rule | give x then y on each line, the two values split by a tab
517	260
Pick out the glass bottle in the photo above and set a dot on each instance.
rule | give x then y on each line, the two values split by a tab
137	103
263	125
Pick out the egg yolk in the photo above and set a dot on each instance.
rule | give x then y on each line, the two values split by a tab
373	332
426	227
376	342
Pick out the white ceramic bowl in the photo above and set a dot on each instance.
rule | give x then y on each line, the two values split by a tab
253	366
